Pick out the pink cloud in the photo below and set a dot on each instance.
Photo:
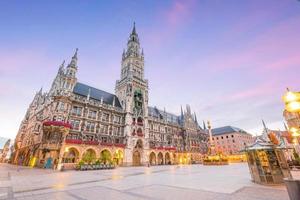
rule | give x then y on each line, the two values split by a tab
177	13
274	48
170	21
255	92
19	60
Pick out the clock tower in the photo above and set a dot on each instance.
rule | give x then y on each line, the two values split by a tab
132	91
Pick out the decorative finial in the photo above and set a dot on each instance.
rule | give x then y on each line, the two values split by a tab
114	102
89	94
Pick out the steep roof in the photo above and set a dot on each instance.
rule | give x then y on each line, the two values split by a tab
155	112
85	90
226	129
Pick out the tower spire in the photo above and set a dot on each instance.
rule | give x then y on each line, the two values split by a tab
204	126
41	90
265	127
73	62
181	114
195	116
61	67
75	54
133	29
133	38
285	126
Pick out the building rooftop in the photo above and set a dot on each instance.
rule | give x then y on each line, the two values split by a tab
226	129
94	93
2	142
169	117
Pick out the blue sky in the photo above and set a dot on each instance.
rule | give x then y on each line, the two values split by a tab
230	60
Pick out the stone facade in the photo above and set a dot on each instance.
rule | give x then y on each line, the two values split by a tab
74	119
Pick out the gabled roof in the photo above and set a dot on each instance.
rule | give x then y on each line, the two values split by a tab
85	90
226	129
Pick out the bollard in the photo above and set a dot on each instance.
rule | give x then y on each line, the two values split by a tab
293	188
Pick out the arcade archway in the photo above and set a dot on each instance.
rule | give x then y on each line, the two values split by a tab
152	158
167	159
160	159
71	156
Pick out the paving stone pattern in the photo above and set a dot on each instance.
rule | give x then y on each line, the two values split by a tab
230	182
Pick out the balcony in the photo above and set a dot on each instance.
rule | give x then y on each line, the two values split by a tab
120	145
57	123
91	142
73	141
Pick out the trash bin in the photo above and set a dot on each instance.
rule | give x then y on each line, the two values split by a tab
293	188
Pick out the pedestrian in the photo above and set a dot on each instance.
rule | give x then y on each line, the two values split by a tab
20	161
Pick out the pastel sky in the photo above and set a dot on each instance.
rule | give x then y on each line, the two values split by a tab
230	60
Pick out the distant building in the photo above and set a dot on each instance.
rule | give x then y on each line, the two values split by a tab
230	140
5	151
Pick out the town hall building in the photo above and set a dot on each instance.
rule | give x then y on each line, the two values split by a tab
73	120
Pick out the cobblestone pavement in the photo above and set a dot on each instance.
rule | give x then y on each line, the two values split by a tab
230	182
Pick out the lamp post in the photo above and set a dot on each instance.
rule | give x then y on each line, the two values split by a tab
292	105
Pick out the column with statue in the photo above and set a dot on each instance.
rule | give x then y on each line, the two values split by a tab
213	158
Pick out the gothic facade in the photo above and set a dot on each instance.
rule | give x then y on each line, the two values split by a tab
73	119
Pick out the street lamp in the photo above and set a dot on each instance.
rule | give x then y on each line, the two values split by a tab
292	105
292	101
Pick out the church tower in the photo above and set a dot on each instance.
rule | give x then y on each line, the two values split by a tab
132	91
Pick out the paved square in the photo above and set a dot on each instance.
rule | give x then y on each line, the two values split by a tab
159	182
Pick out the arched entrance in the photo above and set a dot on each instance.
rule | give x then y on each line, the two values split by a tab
136	158
167	159
71	156
160	159
175	158
136	155
152	158
105	156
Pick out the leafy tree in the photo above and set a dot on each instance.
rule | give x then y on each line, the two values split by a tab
88	157
105	157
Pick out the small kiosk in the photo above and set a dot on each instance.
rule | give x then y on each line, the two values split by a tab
267	163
